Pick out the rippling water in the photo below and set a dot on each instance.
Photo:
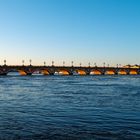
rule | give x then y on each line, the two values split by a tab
70	107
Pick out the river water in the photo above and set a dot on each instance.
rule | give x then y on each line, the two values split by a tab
69	107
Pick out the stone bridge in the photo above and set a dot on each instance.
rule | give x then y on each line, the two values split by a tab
68	70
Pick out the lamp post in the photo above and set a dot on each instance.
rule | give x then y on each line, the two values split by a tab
5	62
80	64
23	62
117	65
95	64
104	64
52	63
63	63
72	63
30	61
89	64
44	63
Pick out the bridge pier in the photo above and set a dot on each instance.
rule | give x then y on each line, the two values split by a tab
3	74
70	73
29	74
138	73
88	73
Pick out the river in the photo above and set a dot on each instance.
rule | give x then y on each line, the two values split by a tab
69	107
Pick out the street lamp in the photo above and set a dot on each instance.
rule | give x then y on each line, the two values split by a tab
95	64
63	63
23	62
117	65
44	63
52	63
104	64
30	61
5	62
72	63
80	64
89	64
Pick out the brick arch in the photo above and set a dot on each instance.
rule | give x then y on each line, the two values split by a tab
80	72
122	72
22	72
45	72
110	72
133	72
63	72
96	72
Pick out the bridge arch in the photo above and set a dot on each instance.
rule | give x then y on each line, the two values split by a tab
22	72
122	72
109	72
45	72
80	72
15	72
95	72
133	72
63	72
37	72
12	72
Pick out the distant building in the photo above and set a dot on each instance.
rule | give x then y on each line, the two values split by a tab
132	66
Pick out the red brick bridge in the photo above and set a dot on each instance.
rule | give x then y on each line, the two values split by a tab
68	70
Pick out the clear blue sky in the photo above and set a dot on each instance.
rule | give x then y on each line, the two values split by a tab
65	30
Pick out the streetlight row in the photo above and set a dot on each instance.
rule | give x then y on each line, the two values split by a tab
72	62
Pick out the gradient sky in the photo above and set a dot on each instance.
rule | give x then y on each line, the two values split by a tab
65	30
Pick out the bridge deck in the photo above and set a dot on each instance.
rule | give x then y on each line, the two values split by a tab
68	70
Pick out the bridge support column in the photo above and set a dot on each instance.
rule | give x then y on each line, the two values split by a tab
138	72
70	73
3	74
29	73
88	73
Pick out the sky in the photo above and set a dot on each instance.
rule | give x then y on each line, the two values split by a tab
82	31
